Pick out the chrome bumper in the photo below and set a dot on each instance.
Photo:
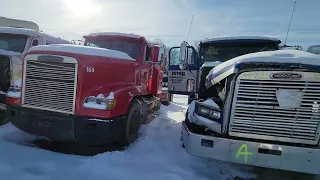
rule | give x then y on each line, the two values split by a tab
304	160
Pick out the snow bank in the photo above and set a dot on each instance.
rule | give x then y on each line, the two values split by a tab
279	56
85	50
115	34
156	155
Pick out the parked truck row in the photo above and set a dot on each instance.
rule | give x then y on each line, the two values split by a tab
250	101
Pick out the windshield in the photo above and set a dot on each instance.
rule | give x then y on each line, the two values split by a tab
131	46
314	49
224	52
13	42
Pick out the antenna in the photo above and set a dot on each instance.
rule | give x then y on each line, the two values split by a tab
190	28
285	42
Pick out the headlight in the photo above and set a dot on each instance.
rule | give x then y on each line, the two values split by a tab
14	92
208	112
16	69
101	103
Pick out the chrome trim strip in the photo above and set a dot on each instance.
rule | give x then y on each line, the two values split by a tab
66	59
75	87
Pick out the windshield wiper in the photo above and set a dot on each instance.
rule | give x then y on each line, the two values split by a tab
264	48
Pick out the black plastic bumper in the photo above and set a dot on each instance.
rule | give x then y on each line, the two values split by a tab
62	127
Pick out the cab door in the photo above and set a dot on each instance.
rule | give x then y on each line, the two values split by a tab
182	76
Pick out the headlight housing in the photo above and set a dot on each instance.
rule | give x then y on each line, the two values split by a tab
101	103
209	112
16	71
14	92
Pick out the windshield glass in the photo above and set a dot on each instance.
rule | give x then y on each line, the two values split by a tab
314	49
129	46
224	52
13	42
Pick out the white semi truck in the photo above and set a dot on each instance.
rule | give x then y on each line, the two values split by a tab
16	38
255	108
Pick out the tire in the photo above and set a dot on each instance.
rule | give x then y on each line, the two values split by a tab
170	97
166	103
190	99
132	123
3	118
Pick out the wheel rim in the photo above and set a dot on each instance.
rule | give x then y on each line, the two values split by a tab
134	125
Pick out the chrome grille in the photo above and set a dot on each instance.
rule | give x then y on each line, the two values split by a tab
256	112
50	85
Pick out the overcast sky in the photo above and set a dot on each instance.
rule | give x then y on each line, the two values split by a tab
170	19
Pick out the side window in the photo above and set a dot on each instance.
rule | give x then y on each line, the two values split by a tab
47	43
35	42
174	56
147	54
190	56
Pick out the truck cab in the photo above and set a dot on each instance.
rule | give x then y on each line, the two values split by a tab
16	38
258	107
94	94
188	78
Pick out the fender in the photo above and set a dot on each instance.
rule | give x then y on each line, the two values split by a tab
123	94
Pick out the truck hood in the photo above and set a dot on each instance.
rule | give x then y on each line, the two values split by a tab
210	64
83	50
9	53
288	57
99	71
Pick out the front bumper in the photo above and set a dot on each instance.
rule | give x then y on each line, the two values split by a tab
304	160
62	127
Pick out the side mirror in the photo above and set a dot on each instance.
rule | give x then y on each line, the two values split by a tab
35	42
183	55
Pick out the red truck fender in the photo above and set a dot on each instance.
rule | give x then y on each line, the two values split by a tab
122	94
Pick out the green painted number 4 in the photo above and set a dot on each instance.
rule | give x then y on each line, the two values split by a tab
243	151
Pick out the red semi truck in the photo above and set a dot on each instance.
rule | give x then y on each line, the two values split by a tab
94	94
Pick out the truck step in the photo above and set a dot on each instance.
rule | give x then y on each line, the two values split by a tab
151	117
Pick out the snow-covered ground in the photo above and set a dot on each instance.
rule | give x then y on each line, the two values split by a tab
156	155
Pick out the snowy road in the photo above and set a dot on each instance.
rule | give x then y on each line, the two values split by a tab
157	155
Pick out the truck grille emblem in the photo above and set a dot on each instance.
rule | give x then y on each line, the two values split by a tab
285	75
